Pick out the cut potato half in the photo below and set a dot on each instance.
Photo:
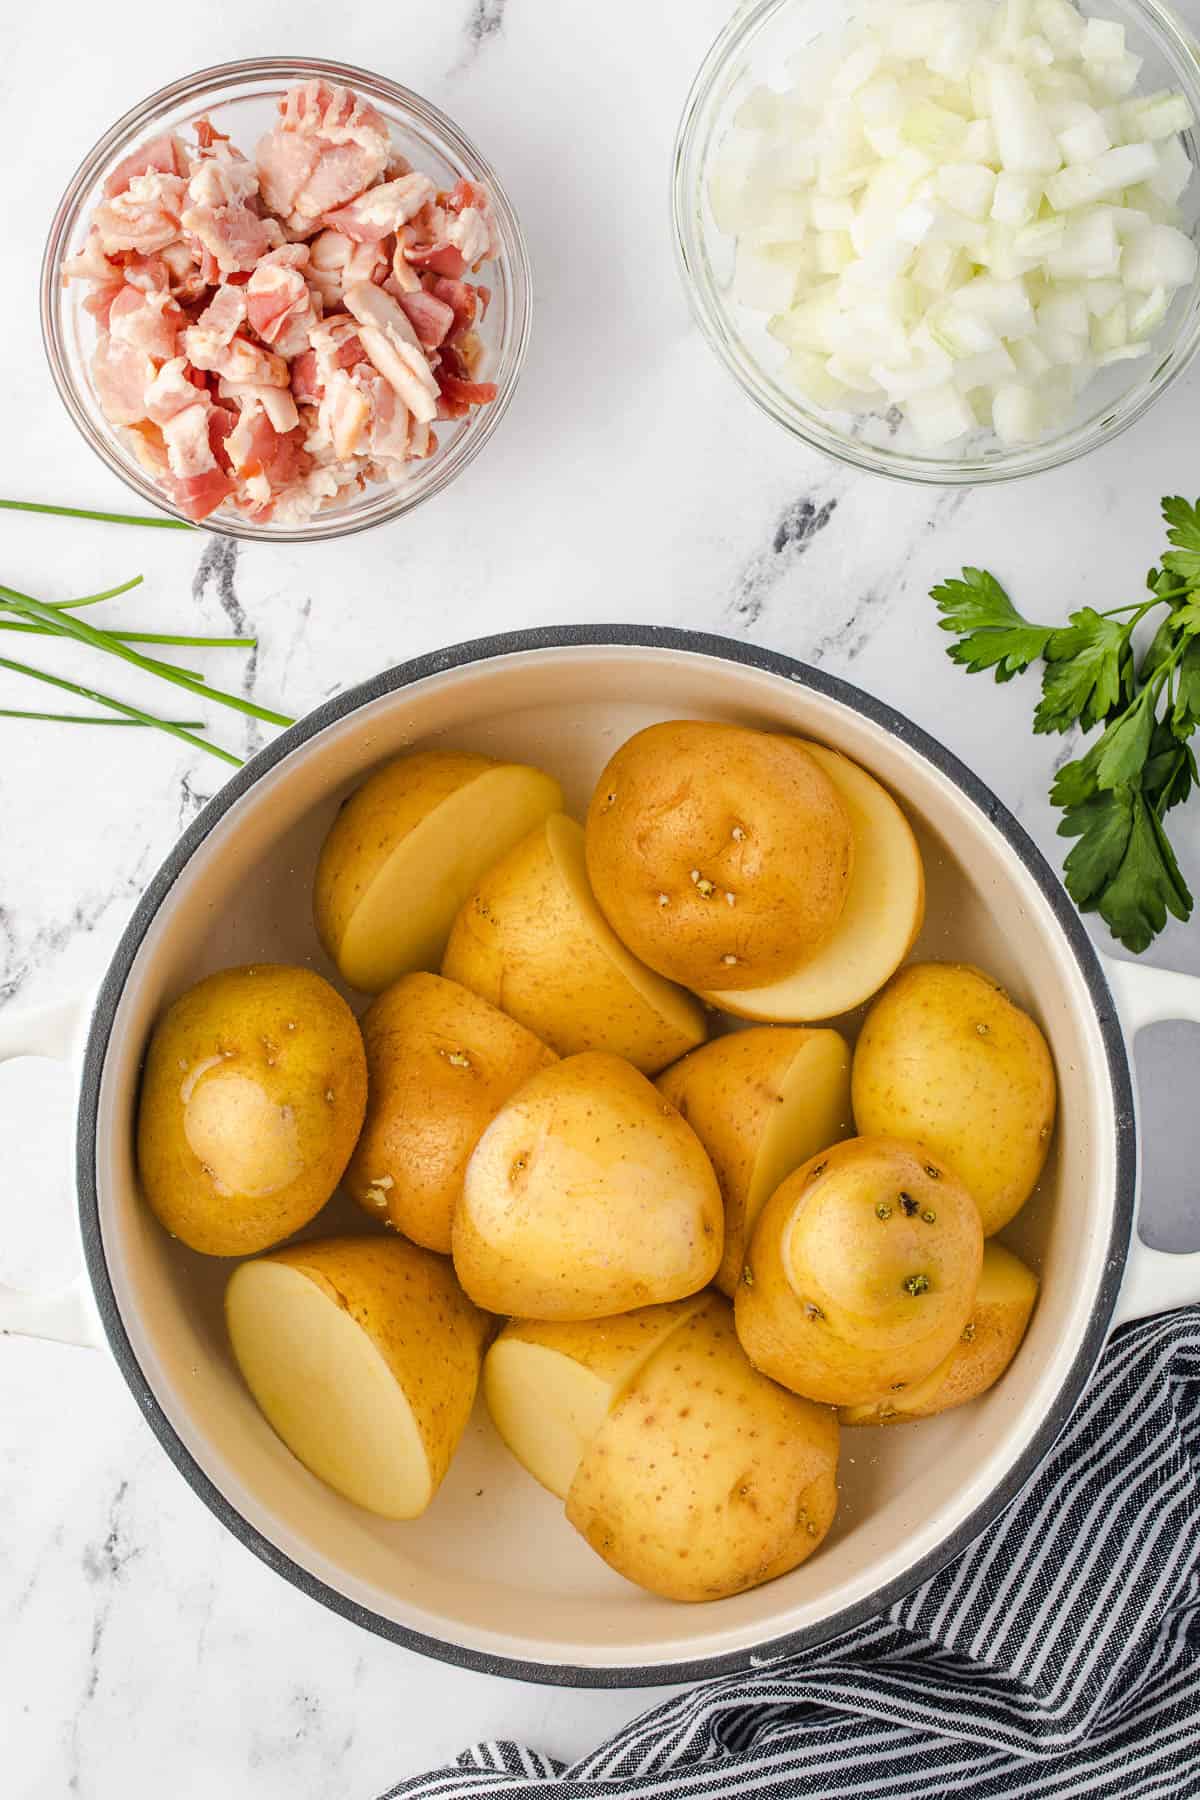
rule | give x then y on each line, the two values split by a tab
363	1354
532	940
706	1478
761	1102
550	1385
1004	1302
406	850
879	923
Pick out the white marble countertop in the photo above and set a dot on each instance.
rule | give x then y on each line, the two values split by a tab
143	1649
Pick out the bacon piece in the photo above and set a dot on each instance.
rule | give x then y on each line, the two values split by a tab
216	327
144	217
207	134
221	422
122	375
345	415
460	297
393	346
383	209
306	383
464	193
389	419
150	322
90	263
99	302
277	403
164	155
149	273
197	496
171	391
217	215
431	318
474	393
471	236
285	160
278	302
442	259
341	172
255	448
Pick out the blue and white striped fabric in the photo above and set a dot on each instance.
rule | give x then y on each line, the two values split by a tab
1060	1656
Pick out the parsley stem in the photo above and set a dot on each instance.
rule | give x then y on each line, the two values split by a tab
130	712
106	518
101	640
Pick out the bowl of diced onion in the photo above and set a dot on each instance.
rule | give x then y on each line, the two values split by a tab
949	241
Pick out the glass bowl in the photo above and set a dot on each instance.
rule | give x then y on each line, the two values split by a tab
240	98
755	49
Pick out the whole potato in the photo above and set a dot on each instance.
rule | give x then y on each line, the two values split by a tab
706	1478
721	856
252	1097
441	1063
587	1195
1004	1302
944	1056
862	1272
364	1354
761	1102
532	940
407	848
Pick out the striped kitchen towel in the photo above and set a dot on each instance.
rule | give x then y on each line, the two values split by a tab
1060	1656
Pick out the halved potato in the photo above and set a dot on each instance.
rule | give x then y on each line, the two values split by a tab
550	1384
761	1102
587	1195
532	940
441	1062
945	1056
992	1336
879	923
706	1478
363	1354
719	854
862	1272
407	848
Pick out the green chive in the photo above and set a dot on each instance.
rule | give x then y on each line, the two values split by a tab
12	712
106	518
91	599
133	713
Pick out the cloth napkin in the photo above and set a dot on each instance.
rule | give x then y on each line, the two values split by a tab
1059	1656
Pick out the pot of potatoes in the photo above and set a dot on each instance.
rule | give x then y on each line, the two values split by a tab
608	1156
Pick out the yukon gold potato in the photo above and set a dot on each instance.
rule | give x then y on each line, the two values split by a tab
706	1478
363	1354
761	1102
550	1384
587	1195
407	848
721	856
532	940
991	1338
944	1056
252	1098
883	914
862	1272
441	1062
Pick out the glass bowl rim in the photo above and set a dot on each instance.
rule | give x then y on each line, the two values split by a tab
392	502
1178	47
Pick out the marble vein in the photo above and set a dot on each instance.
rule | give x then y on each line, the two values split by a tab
795	528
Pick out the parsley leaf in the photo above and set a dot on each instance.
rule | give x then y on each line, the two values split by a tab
993	633
1183	523
1144	706
1085	673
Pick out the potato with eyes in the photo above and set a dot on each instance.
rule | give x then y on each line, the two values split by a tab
720	855
862	1272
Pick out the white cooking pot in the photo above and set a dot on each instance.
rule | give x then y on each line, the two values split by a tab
497	1579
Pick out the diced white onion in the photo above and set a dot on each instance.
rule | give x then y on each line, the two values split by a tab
962	209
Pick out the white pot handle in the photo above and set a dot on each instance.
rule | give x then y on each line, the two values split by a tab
1155	1280
69	1315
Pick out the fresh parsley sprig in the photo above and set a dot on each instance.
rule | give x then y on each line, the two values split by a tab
1144	703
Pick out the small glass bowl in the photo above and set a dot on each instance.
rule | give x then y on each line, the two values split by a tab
755	49
240	98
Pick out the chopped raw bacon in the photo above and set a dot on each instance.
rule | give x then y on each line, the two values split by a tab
274	334
431	318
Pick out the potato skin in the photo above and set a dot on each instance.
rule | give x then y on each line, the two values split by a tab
252	1097
1004	1303
862	1272
532	940
587	1195
706	1479
944	1056
720	855
441	1063
735	1092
